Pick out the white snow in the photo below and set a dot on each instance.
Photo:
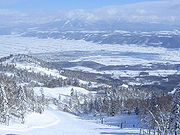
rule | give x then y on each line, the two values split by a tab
169	56
32	67
125	73
84	69
124	85
55	92
128	121
55	122
11	44
33	121
93	84
163	72
172	92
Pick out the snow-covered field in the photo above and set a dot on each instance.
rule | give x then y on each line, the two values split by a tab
55	122
11	44
105	54
163	57
125	73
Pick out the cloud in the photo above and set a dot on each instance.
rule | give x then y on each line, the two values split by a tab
157	11
148	12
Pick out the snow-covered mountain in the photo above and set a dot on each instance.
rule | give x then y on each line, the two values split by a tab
152	12
153	23
36	96
142	16
112	70
167	39
112	64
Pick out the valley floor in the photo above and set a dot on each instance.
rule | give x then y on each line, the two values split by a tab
55	122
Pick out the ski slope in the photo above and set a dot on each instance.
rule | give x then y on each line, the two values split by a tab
55	122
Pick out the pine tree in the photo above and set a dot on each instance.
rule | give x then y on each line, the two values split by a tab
175	118
4	106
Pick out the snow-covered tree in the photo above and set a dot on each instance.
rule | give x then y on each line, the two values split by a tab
4	108
175	113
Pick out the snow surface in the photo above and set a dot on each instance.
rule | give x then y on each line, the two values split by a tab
31	67
125	73
172	92
164	57
93	84
55	92
33	121
128	121
55	122
11	44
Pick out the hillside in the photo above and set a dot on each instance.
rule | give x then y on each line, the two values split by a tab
42	91
32	89
166	39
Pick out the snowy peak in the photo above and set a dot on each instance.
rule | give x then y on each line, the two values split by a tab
22	58
25	69
165	11
31	64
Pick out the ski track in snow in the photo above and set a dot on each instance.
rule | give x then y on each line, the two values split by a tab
68	124
31	128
